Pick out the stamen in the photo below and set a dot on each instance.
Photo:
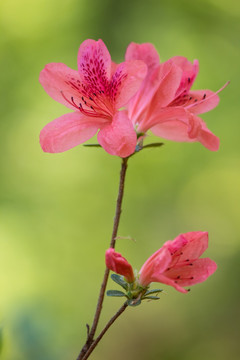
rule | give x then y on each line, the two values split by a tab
97	111
209	97
92	113
70	102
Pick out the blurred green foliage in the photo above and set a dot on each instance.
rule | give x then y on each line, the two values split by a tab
56	211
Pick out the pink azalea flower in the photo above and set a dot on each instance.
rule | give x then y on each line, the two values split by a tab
176	263
117	263
96	92
165	103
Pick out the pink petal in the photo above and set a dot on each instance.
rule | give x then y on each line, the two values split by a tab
205	136
117	263
209	140
161	278
113	68
157	92
196	242
119	137
127	80
176	245
62	84
155	266
68	131
170	76
139	103
94	64
145	52
172	124
176	124
195	272
189	74
202	101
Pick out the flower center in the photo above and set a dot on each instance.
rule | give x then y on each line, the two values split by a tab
93	104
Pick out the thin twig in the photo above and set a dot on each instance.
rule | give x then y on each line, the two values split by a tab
119	202
118	210
111	321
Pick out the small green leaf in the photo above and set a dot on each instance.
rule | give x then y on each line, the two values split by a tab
153	291
134	302
151	298
92	145
115	293
152	145
119	280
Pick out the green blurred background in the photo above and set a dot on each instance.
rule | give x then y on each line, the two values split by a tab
56	211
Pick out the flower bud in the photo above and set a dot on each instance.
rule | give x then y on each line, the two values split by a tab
117	263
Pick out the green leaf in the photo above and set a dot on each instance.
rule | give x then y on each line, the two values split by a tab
151	298
115	293
152	145
134	302
153	291
119	280
92	145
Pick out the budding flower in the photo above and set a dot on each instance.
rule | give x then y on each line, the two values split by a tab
117	263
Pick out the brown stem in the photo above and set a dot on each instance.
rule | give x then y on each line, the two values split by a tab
118	210
119	202
111	321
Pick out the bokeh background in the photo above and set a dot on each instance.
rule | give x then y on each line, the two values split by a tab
56	211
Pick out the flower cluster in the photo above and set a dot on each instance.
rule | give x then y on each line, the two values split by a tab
176	264
123	101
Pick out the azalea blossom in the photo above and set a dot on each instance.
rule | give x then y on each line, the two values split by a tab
176	263
95	92
165	103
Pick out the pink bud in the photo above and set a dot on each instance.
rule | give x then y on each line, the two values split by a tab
117	263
